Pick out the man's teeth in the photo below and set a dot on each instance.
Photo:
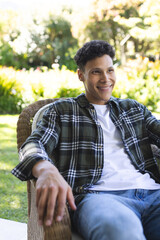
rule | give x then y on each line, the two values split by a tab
106	86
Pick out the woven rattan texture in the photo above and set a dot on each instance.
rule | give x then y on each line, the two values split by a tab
58	231
25	120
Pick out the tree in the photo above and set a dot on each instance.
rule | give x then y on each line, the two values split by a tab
113	21
9	33
52	42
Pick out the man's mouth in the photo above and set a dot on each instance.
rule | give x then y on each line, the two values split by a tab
104	87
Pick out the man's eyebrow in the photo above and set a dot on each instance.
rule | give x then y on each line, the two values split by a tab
96	68
99	68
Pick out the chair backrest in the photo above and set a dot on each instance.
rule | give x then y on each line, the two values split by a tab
38	115
25	120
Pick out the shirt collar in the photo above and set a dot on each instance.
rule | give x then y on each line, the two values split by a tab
83	102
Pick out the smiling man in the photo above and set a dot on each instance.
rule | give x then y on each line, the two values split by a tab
94	152
99	79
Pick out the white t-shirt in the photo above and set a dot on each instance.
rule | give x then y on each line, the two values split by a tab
118	172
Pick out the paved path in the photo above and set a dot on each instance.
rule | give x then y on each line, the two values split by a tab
10	230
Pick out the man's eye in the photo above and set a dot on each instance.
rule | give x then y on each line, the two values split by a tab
111	70
96	72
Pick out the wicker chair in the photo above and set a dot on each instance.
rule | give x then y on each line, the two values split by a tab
58	231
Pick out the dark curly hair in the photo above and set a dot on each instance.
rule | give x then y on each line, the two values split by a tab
91	50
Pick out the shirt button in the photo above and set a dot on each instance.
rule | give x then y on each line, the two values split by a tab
100	146
99	166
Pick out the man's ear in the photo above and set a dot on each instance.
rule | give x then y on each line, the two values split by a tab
80	75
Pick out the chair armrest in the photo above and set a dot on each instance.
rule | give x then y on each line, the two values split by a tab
57	231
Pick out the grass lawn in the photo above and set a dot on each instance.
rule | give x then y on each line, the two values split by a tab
13	204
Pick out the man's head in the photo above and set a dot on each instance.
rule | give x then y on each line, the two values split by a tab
91	50
96	70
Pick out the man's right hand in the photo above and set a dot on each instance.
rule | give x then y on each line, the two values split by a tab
52	192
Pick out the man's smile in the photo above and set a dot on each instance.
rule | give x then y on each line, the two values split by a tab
106	87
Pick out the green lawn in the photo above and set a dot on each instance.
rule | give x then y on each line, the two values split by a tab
13	204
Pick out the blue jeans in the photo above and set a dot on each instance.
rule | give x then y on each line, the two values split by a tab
119	215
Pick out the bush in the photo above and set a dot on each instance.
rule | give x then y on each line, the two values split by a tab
68	92
10	96
8	57
139	80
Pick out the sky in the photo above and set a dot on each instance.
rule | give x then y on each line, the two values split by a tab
42	5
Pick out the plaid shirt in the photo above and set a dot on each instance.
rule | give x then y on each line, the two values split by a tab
70	136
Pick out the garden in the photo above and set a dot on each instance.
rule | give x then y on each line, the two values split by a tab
44	68
139	79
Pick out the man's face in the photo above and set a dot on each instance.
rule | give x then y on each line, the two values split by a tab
99	79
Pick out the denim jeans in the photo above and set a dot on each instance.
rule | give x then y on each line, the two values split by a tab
119	215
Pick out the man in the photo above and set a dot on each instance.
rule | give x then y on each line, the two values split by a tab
97	148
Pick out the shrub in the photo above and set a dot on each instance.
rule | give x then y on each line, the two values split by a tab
139	80
10	96
68	92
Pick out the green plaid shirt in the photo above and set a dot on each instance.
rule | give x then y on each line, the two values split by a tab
70	136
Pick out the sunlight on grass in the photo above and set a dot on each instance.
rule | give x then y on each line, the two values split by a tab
6	166
15	203
9	119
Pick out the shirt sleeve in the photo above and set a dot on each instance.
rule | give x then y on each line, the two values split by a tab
153	127
39	146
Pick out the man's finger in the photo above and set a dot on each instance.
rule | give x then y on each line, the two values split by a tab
70	199
52	196
61	202
41	204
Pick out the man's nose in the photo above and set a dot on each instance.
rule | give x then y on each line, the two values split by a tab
105	76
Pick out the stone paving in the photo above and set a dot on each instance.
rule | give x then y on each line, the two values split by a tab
10	230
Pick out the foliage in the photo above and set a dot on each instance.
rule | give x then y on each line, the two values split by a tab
131	26
140	80
13	204
10	95
52	43
44	42
10	58
115	20
68	92
43	82
9	29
